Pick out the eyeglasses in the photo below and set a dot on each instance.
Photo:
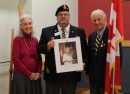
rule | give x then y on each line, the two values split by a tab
63	14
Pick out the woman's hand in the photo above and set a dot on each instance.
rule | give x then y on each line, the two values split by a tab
34	76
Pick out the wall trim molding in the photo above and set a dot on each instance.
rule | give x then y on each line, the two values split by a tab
126	43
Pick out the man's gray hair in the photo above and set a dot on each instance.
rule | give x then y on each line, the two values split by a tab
99	12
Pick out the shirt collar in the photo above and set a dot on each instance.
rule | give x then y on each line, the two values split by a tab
102	31
67	28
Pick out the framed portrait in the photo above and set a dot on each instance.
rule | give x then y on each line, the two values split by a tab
68	55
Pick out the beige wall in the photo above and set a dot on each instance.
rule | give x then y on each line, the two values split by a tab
4	78
43	14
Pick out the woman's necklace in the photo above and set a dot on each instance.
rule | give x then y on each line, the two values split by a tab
27	45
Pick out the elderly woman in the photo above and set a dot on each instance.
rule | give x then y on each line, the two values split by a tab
26	60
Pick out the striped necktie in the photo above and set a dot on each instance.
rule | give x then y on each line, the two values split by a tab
63	33
98	41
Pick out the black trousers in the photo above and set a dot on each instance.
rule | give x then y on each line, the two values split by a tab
63	87
96	90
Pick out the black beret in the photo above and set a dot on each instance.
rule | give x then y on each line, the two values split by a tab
62	8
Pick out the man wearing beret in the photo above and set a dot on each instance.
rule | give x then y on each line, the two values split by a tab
66	82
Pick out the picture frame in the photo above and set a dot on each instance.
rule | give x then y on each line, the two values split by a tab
68	55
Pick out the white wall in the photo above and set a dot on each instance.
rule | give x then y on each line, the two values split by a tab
43	13
8	20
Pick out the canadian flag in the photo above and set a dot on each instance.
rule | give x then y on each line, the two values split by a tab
113	72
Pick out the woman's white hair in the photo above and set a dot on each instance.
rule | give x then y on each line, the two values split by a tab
22	17
98	12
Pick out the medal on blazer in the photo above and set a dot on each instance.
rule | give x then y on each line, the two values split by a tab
47	70
102	43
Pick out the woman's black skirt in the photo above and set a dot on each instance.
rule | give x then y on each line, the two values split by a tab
21	84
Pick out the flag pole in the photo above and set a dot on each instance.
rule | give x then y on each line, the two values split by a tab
113	81
113	71
11	62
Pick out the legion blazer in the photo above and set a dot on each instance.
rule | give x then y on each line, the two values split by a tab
50	67
96	65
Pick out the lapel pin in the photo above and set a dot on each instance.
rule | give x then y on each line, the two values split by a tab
52	38
55	30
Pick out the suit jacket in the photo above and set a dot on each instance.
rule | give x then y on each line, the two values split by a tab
50	67
96	65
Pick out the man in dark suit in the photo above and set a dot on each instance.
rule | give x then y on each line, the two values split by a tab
97	47
56	82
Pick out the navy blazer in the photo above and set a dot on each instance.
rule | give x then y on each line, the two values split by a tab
96	65
50	67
